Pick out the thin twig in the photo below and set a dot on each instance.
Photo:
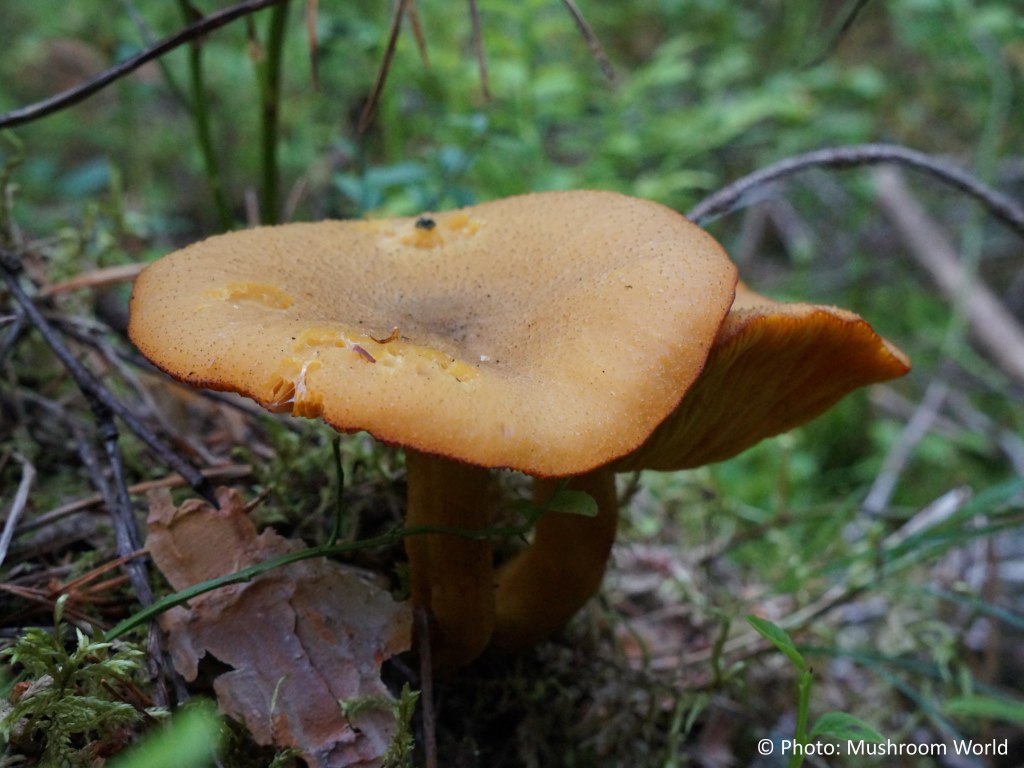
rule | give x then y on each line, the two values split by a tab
115	358
232	472
370	108
18	504
100	399
312	9
932	516
596	50
991	323
45	599
81	92
115	494
97	278
126	529
17	327
899	455
421	616
730	198
269	70
418	35
118	505
844	27
477	39
1009	443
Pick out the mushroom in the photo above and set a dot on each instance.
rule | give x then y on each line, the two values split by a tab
546	333
555	334
773	367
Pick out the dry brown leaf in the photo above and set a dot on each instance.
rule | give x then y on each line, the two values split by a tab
299	639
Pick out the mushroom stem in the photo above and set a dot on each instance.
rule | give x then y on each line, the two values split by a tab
540	589
451	575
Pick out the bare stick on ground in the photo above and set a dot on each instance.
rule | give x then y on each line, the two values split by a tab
990	322
101	401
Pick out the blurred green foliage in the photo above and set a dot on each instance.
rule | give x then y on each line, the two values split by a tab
703	92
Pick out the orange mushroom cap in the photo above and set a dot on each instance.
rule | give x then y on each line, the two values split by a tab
773	367
550	333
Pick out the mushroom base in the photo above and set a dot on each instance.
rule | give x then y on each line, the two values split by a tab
451	574
540	589
534	595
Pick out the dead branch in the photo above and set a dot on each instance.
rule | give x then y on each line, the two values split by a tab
993	326
230	472
477	36
596	50
96	84
103	404
370	108
731	197
844	27
126	531
402	7
28	476
97	278
899	455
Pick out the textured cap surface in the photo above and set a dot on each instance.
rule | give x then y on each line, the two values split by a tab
773	367
548	333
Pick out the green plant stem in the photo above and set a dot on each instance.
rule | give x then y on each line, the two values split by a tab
161	62
339	494
803	707
269	72
324	550
199	107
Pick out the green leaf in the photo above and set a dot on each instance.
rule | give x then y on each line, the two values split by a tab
777	636
572	503
189	741
840	725
988	707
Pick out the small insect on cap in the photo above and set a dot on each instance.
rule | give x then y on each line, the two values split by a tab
549	333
